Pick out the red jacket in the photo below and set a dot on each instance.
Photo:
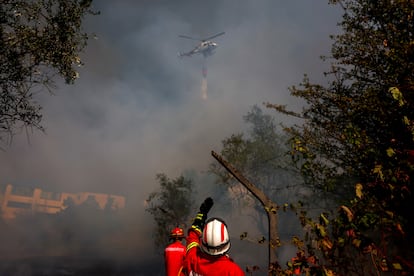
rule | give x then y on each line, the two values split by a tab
198	263
174	255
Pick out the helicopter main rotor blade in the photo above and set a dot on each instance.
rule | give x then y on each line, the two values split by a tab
216	35
189	37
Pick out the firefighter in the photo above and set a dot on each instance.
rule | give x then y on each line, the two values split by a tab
207	245
174	253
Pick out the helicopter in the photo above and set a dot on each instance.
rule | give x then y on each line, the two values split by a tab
206	47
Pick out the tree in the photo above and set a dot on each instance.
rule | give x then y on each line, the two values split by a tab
360	128
38	40
257	159
170	206
260	153
267	204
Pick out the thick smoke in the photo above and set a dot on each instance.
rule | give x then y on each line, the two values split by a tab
137	111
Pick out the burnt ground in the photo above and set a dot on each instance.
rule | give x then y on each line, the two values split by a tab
79	266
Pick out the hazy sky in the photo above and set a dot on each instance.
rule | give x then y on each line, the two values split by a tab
137	110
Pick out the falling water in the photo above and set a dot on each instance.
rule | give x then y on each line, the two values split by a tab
204	88
204	82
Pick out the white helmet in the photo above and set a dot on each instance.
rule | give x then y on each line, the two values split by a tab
215	238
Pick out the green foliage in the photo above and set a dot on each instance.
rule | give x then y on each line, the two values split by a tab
38	40
360	127
260	153
170	206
